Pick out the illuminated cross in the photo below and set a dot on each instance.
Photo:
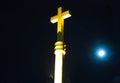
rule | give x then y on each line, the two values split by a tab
60	22
59	45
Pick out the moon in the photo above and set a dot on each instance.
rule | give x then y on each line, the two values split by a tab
101	53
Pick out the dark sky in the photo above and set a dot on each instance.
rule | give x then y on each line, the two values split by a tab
27	41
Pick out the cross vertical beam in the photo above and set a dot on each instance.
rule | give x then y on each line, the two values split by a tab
59	45
60	25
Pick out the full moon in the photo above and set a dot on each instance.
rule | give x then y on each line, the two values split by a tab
101	53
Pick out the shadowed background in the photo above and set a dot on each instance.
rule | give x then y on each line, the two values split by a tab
27	41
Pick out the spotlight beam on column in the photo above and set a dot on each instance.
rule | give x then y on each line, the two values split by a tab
59	45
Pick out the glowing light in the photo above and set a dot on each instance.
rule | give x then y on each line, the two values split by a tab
59	45
66	16
55	18
60	15
101	53
58	66
54	21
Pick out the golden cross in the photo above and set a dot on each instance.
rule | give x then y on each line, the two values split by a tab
60	25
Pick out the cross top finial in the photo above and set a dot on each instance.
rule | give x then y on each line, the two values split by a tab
64	15
59	18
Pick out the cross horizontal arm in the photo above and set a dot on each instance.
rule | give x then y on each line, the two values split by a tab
65	15
54	19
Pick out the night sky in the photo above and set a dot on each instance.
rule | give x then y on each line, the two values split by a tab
27	40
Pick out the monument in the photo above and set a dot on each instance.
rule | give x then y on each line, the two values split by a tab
59	45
